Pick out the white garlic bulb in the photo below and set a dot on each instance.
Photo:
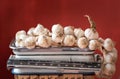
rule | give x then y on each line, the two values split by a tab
21	32
68	30
109	69
30	31
30	42
114	54
78	32
108	58
91	32
57	29
39	28
20	35
44	41
108	44
69	40
57	38
20	44
93	44
82	42
45	32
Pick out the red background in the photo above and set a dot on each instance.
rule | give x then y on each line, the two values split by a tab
23	14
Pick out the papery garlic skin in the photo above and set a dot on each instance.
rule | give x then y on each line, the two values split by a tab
114	54
44	41
69	40
20	44
68	30
82	42
108	44
57	38
91	34
45	32
30	32
109	69
21	32
20	35
57	29
93	44
39	28
108	58
30	42
78	32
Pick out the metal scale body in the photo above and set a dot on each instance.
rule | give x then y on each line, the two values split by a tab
53	60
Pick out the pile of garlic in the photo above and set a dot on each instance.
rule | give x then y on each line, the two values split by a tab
40	36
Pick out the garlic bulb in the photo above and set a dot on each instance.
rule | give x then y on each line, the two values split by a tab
57	29
44	41
78	32
91	32
109	69
20	35
69	40
114	54
21	32
93	44
45	32
68	30
39	28
30	42
30	31
20	44
108	58
57	38
82	42
108	44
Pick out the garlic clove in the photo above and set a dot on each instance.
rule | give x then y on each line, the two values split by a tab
108	44
57	29
78	32
69	40
69	30
82	42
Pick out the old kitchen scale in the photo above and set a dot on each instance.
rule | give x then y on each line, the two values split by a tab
63	62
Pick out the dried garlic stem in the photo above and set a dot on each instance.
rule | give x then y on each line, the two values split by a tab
92	23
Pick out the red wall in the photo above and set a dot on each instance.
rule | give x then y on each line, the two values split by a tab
23	14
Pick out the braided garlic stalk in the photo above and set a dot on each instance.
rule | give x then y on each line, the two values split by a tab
107	48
